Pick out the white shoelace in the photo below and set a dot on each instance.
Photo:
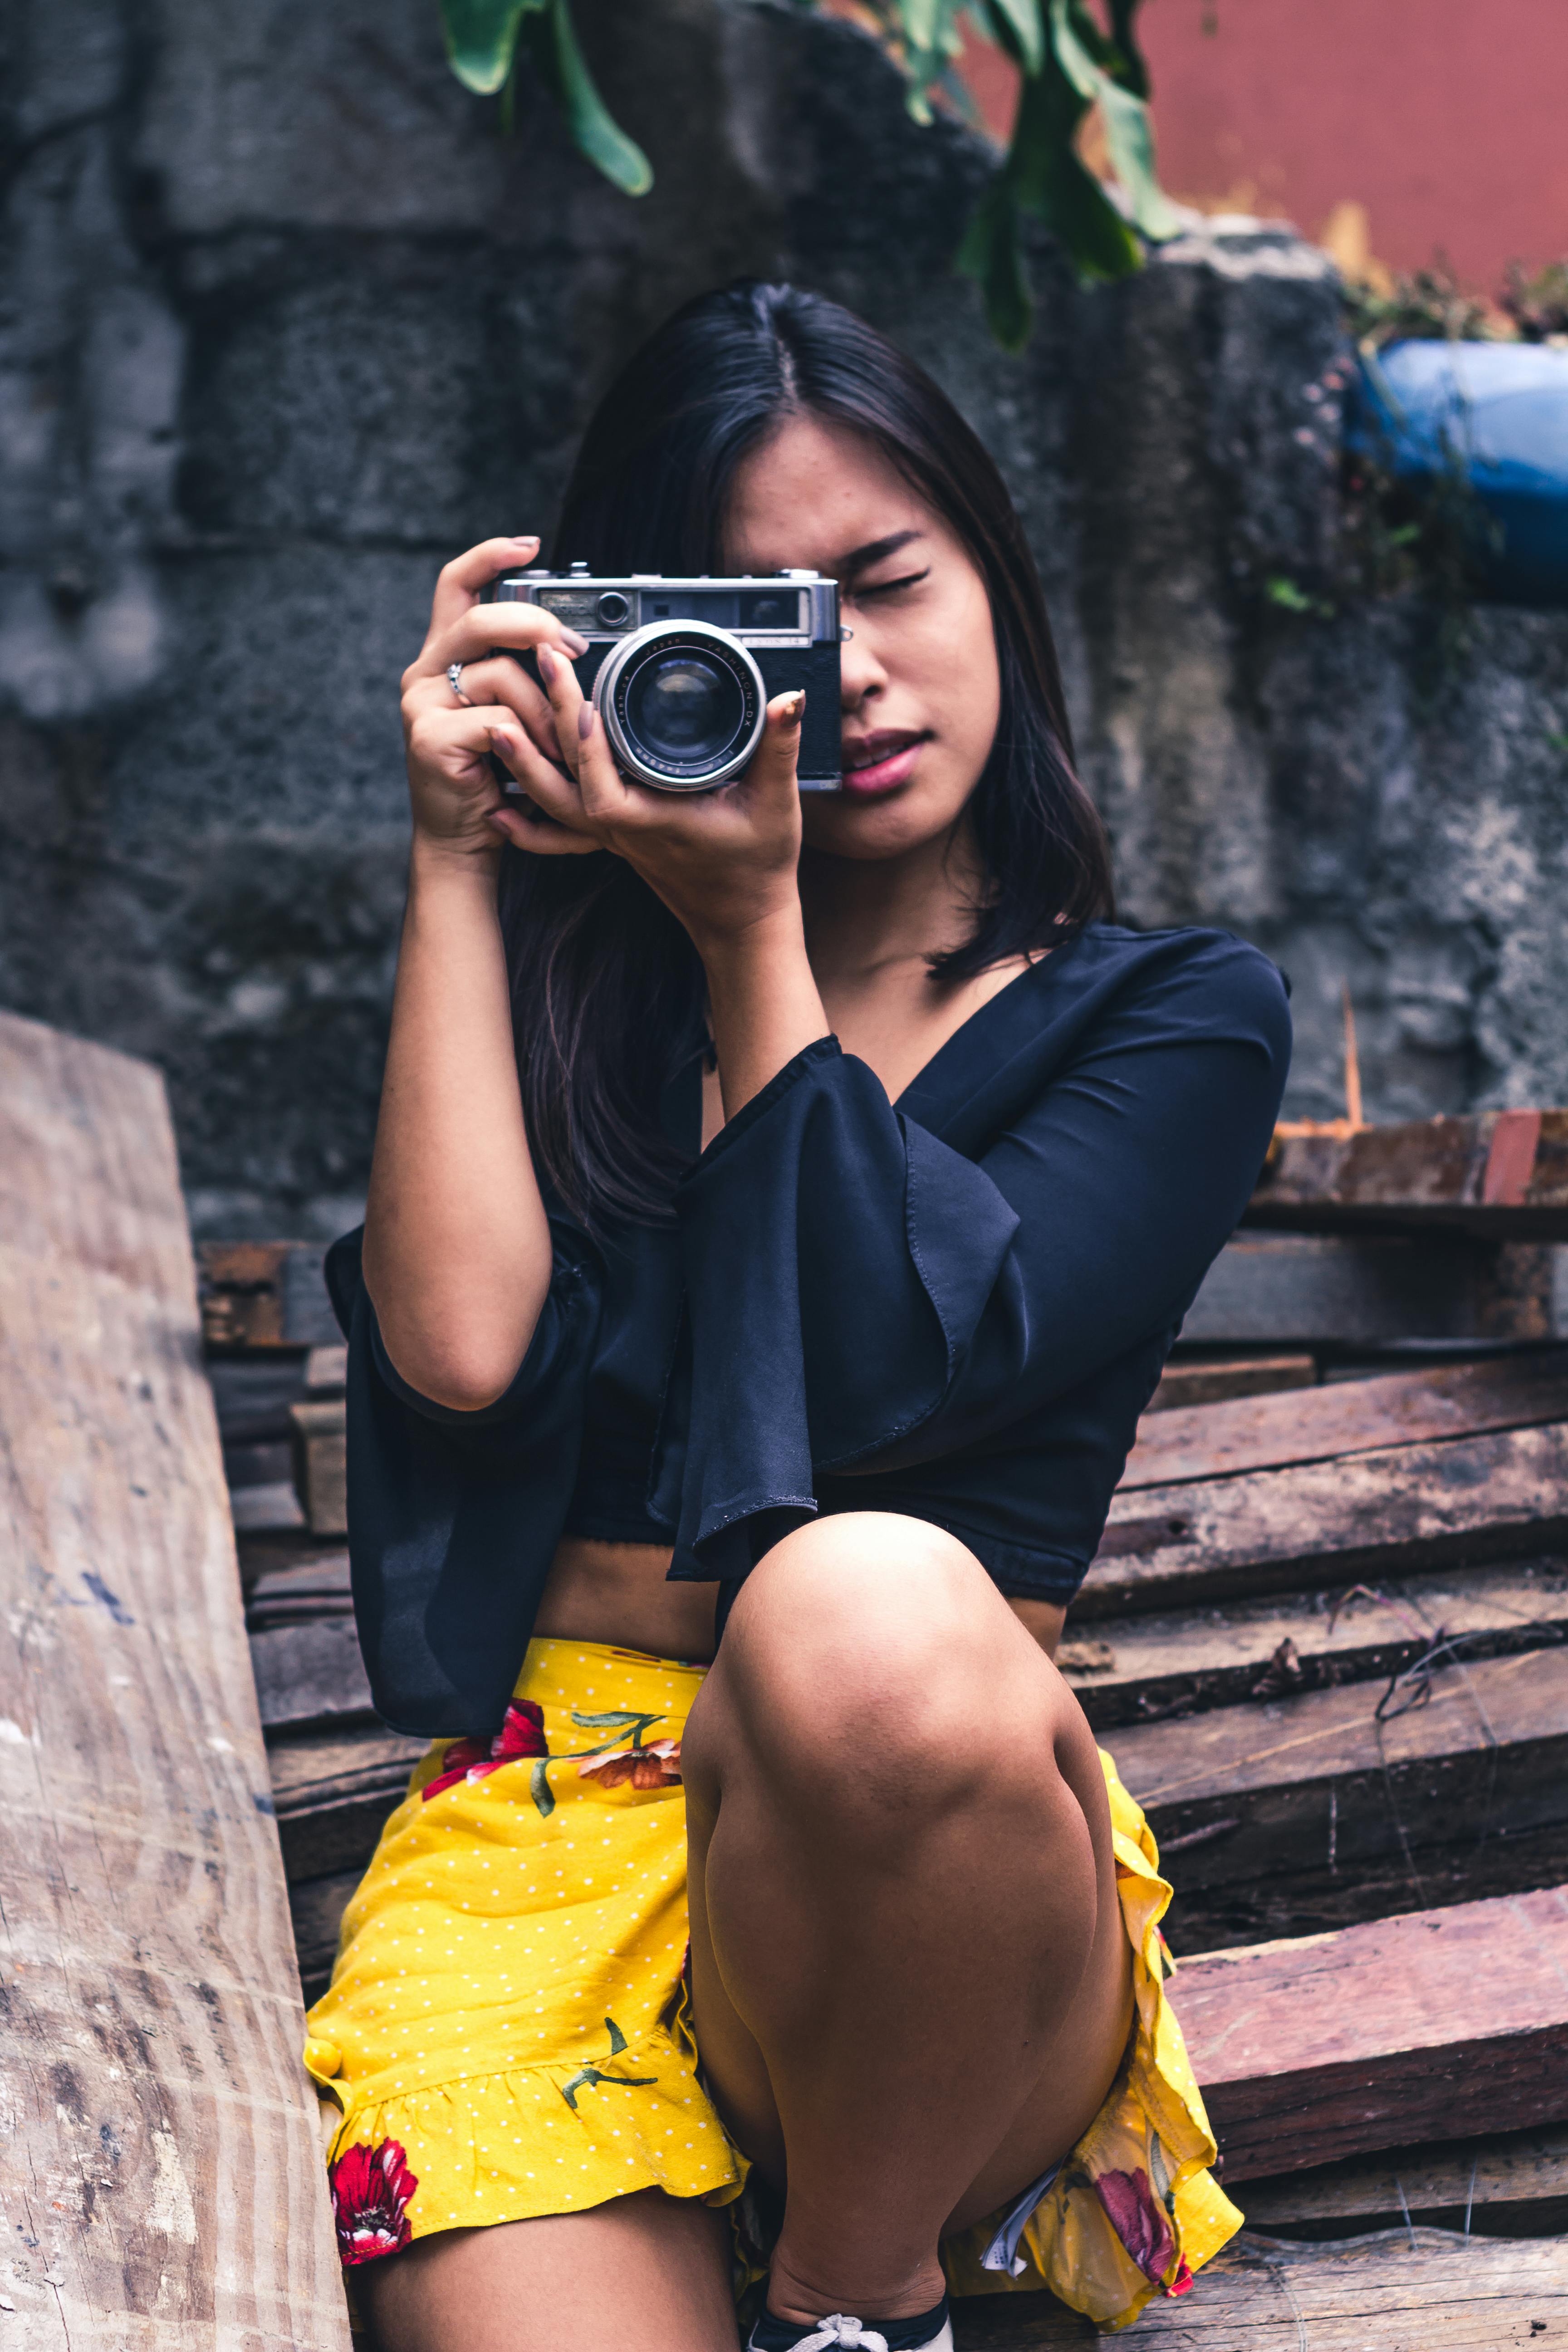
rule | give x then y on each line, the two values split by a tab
839	2330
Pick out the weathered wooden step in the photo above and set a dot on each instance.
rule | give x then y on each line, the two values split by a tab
332	1790
1498	1172
1366	1290
160	2163
1417	2291
1369	1516
1443	2022
1508	2185
1270	1432
1257	1807
1141	1669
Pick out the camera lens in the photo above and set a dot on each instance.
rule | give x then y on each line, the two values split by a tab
683	703
685	709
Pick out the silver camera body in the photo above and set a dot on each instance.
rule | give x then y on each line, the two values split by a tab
681	671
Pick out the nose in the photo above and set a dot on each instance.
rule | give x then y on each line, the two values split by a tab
861	676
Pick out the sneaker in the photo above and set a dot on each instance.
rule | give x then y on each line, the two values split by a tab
930	2331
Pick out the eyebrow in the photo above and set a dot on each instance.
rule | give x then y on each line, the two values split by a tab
862	558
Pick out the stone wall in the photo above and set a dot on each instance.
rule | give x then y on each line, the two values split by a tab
286	321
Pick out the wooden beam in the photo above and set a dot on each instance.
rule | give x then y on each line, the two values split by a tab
1269	1432
1398	1512
1416	2291
309	1672
1249	1801
1508	2185
1148	1669
160	2170
1361	1290
1500	1173
332	1790
264	1295
1205	1382
1439	2024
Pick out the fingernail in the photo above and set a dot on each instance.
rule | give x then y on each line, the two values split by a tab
575	645
793	705
546	661
526	539
585	722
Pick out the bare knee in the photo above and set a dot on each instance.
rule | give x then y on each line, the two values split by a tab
870	1658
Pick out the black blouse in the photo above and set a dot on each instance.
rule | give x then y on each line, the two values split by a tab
956	1306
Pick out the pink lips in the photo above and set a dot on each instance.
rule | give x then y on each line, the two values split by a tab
885	773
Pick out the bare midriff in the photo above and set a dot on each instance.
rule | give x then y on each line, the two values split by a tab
617	1593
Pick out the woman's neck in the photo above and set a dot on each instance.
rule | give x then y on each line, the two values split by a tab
865	915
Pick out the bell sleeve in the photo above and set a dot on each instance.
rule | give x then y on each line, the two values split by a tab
454	1517
865	1298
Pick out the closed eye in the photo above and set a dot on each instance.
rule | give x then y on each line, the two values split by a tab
890	587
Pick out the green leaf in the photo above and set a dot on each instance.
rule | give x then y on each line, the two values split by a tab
1133	72
1022	20
1053	184
1129	134
990	255
481	39
552	43
540	1790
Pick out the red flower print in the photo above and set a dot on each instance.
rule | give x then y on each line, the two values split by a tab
522	1736
655	1767
1141	2223
370	2189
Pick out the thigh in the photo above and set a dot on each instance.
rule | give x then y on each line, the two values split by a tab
645	2271
1079	2046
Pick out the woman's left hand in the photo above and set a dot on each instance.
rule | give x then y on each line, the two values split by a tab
723	861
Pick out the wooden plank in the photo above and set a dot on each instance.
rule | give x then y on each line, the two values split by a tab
1367	1290
1326	2046
1503	1174
321	1464
332	1790
1244	1798
1394	1513
1508	2185
160	2170
1147	1669
264	1295
1208	1383
317	1906
1270	1432
315	1586
1415	2291
308	1673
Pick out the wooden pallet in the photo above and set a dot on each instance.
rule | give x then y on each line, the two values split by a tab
160	2168
1326	1639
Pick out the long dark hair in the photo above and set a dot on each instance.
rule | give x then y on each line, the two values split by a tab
608	990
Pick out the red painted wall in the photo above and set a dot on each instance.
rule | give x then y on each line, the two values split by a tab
1447	119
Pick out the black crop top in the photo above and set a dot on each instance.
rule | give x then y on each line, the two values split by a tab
956	1306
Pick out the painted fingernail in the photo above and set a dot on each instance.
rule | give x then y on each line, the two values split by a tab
546	661
585	722
575	645
526	539
794	704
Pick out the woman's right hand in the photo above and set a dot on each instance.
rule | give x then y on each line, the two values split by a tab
451	784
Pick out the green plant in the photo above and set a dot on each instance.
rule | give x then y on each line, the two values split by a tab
1539	305
484	40
1428	306
1069	59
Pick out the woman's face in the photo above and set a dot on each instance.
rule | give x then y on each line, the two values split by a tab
921	693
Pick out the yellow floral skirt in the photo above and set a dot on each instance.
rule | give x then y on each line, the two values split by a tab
506	2034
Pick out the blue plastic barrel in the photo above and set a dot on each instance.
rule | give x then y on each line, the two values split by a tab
1501	411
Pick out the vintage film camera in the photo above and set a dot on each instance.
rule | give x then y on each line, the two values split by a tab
681	671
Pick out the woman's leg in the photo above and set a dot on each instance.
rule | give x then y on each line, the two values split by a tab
910	1972
643	2273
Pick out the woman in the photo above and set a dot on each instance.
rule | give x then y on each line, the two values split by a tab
781	1212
